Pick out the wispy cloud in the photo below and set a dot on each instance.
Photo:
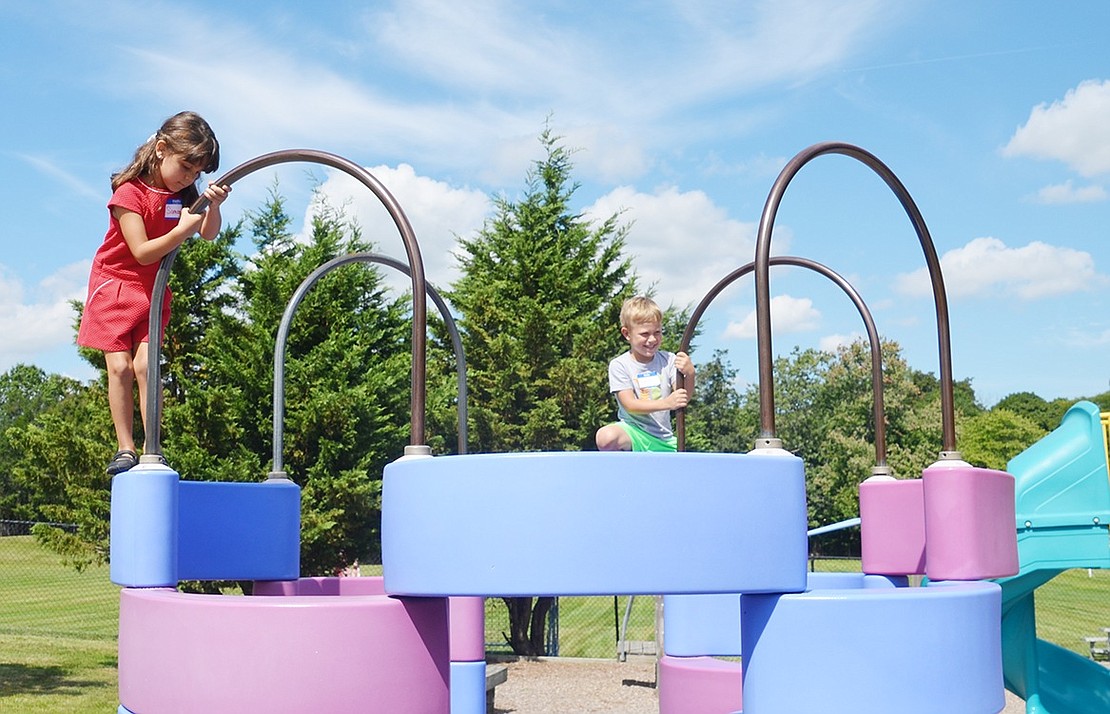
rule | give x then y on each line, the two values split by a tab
438	213
831	343
436	83
988	267
51	169
1067	192
663	228
1096	337
676	53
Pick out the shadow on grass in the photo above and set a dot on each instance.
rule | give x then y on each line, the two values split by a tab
22	679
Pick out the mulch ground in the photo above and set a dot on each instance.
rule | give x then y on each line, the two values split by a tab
592	686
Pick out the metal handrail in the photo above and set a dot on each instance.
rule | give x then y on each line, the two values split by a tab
763	290
287	321
152	447
865	313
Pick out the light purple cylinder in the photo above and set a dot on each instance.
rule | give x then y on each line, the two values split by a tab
892	526
970	524
699	685
188	653
468	628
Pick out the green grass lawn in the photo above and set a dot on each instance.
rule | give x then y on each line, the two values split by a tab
1073	605
588	626
57	633
58	627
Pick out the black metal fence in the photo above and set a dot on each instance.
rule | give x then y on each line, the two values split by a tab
41	595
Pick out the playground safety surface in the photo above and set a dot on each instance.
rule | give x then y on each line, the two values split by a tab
596	686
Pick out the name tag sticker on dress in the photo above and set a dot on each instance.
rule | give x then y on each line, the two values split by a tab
173	208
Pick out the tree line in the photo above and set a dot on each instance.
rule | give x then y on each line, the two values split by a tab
537	304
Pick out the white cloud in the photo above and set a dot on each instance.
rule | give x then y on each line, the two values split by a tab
986	266
312	101
40	318
788	315
664	229
437	212
679	241
831	343
1073	130
1068	193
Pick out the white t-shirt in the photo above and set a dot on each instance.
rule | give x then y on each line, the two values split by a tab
654	380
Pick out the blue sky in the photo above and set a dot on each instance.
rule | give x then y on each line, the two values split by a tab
995	115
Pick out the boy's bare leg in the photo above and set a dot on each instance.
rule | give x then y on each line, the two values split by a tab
611	437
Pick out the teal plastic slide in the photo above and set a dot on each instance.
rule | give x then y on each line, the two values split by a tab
1063	509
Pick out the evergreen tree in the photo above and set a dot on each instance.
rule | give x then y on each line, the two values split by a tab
539	297
713	419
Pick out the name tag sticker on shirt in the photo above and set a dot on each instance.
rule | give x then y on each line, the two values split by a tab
649	385
173	208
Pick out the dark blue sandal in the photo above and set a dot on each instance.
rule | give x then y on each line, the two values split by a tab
122	461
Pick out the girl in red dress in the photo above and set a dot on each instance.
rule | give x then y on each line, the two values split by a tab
149	217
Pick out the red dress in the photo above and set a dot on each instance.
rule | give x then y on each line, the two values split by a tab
117	309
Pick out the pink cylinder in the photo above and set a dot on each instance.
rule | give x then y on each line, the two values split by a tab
184	653
468	628
892	526
699	685
970	522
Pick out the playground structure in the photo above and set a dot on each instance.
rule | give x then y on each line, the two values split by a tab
406	642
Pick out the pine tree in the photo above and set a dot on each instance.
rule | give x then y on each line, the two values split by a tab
539	298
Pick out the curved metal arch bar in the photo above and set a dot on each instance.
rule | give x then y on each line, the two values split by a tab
287	321
878	410
763	290
416	266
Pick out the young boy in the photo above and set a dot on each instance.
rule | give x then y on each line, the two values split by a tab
644	380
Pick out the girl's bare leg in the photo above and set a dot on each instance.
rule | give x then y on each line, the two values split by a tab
140	363
121	400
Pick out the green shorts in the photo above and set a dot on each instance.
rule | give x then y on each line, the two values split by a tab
643	441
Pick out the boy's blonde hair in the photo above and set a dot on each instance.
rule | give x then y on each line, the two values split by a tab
639	309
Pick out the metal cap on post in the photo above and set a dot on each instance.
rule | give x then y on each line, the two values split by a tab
950	459
881	473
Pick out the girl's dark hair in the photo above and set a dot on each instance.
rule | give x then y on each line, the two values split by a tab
187	135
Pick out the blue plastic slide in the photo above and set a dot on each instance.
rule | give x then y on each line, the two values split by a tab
1063	509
